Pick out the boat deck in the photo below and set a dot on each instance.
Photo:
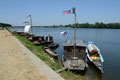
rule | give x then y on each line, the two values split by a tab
75	64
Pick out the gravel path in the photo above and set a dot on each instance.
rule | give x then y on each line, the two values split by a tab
15	63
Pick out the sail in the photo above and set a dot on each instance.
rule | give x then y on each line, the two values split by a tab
27	28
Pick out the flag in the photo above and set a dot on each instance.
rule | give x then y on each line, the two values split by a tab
29	16
64	33
67	12
26	22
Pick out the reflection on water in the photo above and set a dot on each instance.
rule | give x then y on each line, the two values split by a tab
93	73
108	40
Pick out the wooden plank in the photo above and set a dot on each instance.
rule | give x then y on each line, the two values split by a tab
58	71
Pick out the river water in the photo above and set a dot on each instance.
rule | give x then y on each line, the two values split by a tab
108	41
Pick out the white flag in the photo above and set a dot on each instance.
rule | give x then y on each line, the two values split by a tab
64	33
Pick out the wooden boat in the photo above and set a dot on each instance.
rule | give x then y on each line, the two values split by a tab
49	39
77	60
38	40
94	56
51	52
18	32
26	31
29	36
49	42
74	56
52	45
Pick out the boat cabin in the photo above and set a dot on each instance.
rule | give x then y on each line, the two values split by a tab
49	39
38	40
69	49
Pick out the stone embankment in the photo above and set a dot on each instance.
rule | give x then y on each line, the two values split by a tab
18	63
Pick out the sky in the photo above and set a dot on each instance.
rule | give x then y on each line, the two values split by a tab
50	12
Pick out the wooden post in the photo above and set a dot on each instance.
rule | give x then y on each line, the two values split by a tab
74	32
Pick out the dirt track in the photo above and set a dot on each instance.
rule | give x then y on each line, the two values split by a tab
14	63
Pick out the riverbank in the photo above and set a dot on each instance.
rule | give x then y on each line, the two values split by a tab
18	63
103	38
97	25
39	52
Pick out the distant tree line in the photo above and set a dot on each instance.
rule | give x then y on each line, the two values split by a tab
5	25
96	25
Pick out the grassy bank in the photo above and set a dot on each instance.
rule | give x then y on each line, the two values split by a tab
39	52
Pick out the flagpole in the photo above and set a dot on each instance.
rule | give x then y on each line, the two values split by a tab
31	24
74	32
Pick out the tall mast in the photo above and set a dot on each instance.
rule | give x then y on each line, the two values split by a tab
74	32
31	24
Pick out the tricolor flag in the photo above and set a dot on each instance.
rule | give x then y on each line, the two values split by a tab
64	33
25	22
67	12
29	16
